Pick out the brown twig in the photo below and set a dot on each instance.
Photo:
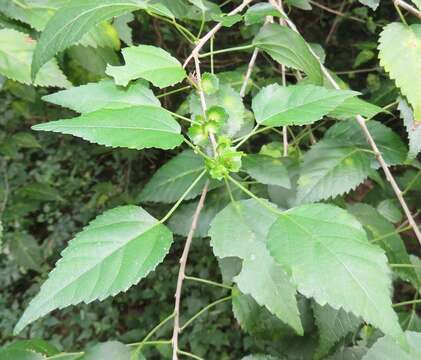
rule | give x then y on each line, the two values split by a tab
249	71
368	136
182	269
408	7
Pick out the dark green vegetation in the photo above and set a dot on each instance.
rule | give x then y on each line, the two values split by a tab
302	249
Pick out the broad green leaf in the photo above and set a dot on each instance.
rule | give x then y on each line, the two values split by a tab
72	21
414	131
240	230
386	348
331	168
267	170
354	106
137	127
288	48
125	32
260	357
36	13
111	350
103	95
230	100
26	251
172	179
391	146
114	252
102	35
277	105
18	354
333	325
150	63
16	50
417	3
257	13
326	253
400	54
35	345
383	233
300	4
349	353
390	209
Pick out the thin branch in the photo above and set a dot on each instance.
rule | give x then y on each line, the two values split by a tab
212	32
407	7
181	271
249	71
338	13
361	121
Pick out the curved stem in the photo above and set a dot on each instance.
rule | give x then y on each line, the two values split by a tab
190	355
231	49
208	282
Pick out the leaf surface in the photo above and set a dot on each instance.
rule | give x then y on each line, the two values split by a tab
288	48
103	95
16	50
150	63
414	131
277	105
326	253
110	350
240	230
400	54
267	170
114	252
136	127
72	21
172	179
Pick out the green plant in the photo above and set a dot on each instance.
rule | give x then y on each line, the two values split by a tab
290	241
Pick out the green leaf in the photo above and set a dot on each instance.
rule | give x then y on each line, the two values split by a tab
386	348
354	106
257	13
35	345
240	230
72	21
150	63
288	48
349	353
400	54
277	105
111	350
259	357
137	127
16	50
326	253
114	252
331	168
40	192
125	32
266	169
26	251
18	354
333	325
349	133
103	95
414	131
383	233
172	179
390	209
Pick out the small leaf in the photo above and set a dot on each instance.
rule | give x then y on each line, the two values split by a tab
35	345
16	51
373	4
137	127
111	350
72	21
18	354
170	182
414	131
288	48
400	54
331	168
326	253
277	105
150	63
257	13
103	95
386	348
333	325
26	251
240	230
266	170
112	253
